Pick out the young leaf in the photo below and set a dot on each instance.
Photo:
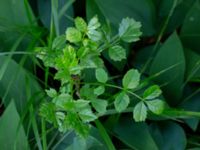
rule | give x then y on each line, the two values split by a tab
121	102
80	24
131	79
73	35
152	92
140	112
51	93
99	90
117	53
87	115
100	105
129	30
101	75
92	33
156	106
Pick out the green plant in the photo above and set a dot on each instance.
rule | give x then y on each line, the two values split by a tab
77	103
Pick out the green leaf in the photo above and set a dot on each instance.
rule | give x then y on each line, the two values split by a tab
152	92
170	55
51	92
101	75
121	101
11	135
99	90
93	33
73	35
87	115
80	24
81	104
117	53
190	30
129	30
59	43
140	112
156	106
131	79
140	10
100	105
135	135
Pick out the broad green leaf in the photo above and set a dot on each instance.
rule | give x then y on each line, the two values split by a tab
94	35
59	43
11	135
134	135
117	53
100	105
168	135
51	92
99	90
190	30
129	30
81	104
101	75
80	24
152	92
59	12
94	23
14	84
140	10
140	112
131	79
156	106
87	115
73	35
170	55
121	101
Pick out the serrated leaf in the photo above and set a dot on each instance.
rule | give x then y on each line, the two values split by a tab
156	106
73	35
101	75
117	53
99	90
131	79
80	24
94	35
121	102
100	105
51	92
129	30
152	92
87	115
94	23
140	112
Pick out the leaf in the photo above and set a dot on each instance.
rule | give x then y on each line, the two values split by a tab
129	30
131	79
152	92
100	105
140	112
101	75
190	30
80	24
172	135
134	135
140	10
73	35
170	55
121	102
117	53
99	90
81	104
51	92
11	135
156	106
93	33
87	115
64	7
59	43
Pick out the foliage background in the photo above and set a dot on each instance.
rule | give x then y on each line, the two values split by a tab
168	53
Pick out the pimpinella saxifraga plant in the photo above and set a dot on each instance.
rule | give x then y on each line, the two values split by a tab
77	103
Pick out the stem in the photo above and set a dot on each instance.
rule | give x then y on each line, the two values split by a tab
118	87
